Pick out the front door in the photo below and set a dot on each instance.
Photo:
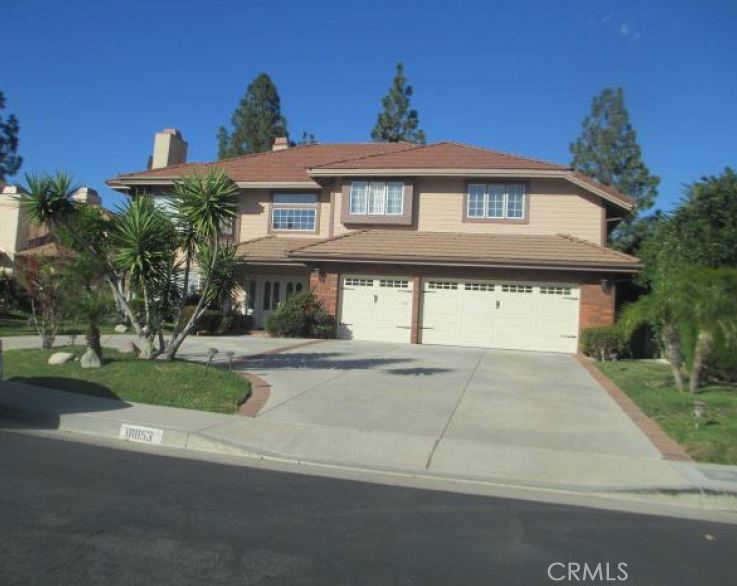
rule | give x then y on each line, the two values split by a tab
268	292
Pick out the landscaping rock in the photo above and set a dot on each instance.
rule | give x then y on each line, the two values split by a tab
121	329
129	348
90	360
60	358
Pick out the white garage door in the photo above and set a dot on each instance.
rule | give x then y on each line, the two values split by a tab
500	314
376	308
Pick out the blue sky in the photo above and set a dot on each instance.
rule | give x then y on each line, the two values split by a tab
92	81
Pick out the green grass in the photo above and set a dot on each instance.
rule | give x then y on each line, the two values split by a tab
17	324
172	384
650	385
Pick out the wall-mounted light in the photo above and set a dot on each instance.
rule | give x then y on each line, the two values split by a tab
605	285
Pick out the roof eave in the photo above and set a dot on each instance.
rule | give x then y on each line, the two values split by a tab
474	263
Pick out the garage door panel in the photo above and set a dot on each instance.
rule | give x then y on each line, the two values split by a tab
375	308
520	316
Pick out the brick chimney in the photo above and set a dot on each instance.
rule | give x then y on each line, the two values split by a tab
280	143
169	149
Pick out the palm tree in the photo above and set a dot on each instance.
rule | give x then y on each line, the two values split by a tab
659	308
702	299
205	202
708	302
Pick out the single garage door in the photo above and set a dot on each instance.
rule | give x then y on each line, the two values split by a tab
375	308
500	314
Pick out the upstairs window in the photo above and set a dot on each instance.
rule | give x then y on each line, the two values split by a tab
294	212
377	198
496	201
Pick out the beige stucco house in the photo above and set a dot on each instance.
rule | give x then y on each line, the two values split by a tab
20	237
436	244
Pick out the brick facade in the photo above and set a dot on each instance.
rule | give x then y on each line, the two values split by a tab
597	305
596	302
325	286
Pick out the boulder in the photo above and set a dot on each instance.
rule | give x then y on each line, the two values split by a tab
90	360
60	358
121	329
129	348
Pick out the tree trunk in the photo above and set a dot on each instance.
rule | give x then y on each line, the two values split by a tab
93	340
704	345
672	343
124	304
178	337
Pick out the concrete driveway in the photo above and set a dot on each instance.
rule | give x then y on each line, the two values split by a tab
468	411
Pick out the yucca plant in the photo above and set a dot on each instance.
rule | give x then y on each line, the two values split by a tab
205	202
47	199
144	244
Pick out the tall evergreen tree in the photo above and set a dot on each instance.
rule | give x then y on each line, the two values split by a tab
10	162
255	123
607	150
398	122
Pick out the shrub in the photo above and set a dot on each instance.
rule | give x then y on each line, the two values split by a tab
210	321
603	342
301	316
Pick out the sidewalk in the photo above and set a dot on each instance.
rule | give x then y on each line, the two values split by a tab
705	486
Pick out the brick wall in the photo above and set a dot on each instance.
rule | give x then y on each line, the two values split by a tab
597	305
324	285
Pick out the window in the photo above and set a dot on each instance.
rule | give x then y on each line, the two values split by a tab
516	288
193	281
294	212
252	295
267	296
496	201
479	287
351	282
227	226
442	285
554	290
275	294
394	284
377	198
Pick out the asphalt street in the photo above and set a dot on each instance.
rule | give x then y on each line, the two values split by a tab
77	514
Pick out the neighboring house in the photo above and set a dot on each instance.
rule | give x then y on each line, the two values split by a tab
19	237
437	244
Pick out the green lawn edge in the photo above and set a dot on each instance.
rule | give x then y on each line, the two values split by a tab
649	384
178	383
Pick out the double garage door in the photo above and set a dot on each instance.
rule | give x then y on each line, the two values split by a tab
462	312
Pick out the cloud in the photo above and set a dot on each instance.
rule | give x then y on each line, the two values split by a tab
626	31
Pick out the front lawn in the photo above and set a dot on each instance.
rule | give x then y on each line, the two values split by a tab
18	324
172	384
650	385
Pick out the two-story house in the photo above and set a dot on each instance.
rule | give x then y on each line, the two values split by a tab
436	244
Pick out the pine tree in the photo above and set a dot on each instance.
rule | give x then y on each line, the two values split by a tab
397	122
256	122
607	150
10	162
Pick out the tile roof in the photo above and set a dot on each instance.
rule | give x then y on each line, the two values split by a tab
466	248
443	155
285	165
296	164
271	248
